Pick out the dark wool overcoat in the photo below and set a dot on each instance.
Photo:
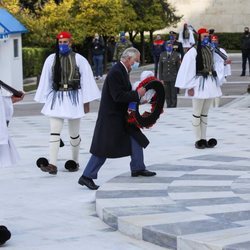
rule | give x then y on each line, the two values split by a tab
112	133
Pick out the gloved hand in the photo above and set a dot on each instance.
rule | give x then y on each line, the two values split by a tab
132	106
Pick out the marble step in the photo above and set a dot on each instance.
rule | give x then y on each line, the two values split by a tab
199	208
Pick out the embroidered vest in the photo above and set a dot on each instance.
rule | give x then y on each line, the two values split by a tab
70	75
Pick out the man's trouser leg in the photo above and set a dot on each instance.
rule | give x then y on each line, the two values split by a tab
248	57
156	61
167	93
93	166
137	159
244	62
173	94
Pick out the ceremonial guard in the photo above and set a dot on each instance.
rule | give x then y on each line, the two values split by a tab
222	57
66	87
8	153
201	74
169	64
186	37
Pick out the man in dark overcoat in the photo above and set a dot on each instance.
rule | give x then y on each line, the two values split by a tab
113	136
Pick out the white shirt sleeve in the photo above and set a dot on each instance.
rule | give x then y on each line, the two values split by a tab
187	71
89	88
45	83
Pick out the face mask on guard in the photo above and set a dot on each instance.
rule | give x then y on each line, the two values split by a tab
64	49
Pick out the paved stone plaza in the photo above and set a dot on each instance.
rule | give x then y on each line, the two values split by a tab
200	199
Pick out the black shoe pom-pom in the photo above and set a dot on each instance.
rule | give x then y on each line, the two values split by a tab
4	234
201	144
42	162
71	166
211	143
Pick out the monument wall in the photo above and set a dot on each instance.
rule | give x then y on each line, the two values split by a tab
222	15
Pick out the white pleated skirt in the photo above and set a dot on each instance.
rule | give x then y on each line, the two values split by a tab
8	154
63	107
206	88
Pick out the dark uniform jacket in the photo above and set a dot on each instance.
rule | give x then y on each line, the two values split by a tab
111	137
245	41
169	66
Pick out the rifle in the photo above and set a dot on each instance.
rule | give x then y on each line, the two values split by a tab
217	51
221	54
10	89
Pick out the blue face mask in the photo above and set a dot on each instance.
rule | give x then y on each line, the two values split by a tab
123	39
205	41
64	49
171	38
135	66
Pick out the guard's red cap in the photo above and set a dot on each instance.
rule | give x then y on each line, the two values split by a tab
63	34
202	31
214	38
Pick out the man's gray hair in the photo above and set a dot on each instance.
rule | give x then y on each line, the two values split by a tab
129	52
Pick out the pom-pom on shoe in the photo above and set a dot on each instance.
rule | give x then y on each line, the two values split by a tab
211	143
201	144
71	166
4	234
44	165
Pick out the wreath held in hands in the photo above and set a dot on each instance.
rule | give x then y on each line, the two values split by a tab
148	119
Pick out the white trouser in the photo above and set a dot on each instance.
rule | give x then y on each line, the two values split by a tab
56	125
200	112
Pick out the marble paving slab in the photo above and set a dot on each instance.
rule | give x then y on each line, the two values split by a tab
196	209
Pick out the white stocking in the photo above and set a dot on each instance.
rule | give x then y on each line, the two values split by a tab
203	126
206	105
75	139
196	121
56	125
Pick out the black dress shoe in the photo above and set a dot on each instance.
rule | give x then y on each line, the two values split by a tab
142	173
88	182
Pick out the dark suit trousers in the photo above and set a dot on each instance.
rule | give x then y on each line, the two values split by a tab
245	58
96	162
